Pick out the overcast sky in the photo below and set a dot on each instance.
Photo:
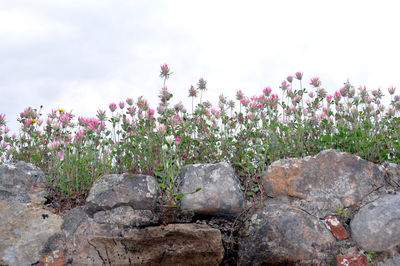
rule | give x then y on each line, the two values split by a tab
83	55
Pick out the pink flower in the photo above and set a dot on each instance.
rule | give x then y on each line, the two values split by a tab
121	105
299	75
391	90
112	107
53	145
245	101
289	79
202	84
267	91
239	95
165	72
177	140
129	101
150	112
328	97
162	129
2	119
337	96
284	85
315	82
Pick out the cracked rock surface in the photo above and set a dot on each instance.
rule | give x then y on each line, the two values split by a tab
281	233
174	244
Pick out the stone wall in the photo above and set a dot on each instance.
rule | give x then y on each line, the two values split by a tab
330	209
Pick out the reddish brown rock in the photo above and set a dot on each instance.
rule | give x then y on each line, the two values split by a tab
174	244
55	258
320	183
352	260
336	227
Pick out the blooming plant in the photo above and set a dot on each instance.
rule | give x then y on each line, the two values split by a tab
133	137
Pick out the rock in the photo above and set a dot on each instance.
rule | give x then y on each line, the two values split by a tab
376	227
220	189
127	216
22	182
352	260
393	261
73	218
280	233
174	244
55	258
320	183
27	233
393	177
336	227
110	191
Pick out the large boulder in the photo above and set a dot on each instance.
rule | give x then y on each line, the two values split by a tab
22	182
321	183
376	227
27	233
174	244
111	191
281	233
220	189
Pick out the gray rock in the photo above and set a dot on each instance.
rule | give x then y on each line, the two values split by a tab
322	182
376	227
280	233
27	233
110	191
393	261
220	189
393	177
73	218
173	244
127	216
22	182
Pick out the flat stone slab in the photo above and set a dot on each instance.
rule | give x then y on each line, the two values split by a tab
173	244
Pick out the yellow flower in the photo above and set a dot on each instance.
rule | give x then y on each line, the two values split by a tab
61	110
33	121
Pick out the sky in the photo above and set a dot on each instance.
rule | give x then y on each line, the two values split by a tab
83	55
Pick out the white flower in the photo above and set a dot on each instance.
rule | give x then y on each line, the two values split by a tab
164	147
170	139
